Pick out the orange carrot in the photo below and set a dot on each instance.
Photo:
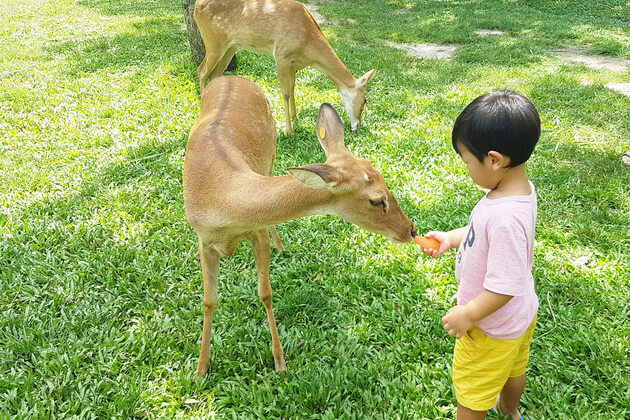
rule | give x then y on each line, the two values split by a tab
427	243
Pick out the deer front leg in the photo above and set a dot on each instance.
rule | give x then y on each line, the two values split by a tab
220	67
210	271
216	48
286	76
205	68
261	248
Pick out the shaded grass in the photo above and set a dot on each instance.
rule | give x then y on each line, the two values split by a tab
101	293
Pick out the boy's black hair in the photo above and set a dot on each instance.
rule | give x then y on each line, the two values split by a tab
504	121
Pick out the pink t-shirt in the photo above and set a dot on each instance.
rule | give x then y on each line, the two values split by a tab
496	254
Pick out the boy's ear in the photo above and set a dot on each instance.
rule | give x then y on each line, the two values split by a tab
498	160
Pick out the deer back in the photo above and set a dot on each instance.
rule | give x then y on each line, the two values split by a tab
259	26
232	142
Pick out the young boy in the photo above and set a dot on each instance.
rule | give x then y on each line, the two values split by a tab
495	315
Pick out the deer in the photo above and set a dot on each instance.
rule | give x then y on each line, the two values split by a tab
285	29
231	193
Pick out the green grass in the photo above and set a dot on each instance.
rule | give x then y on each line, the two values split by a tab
101	296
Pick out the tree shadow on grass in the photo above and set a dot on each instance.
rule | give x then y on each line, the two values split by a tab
96	268
141	8
569	100
455	22
70	255
152	42
587	187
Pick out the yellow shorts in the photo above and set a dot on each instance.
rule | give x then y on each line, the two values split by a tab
482	365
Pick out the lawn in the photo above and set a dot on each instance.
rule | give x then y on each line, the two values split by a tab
101	293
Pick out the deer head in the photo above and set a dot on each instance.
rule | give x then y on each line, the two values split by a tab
358	191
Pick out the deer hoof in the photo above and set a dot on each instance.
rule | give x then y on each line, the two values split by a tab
202	372
281	366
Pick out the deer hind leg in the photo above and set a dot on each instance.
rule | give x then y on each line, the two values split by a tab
292	100
293	111
286	76
261	248
276	239
210	270
272	230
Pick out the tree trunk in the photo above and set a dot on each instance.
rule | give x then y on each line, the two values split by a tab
197	47
194	37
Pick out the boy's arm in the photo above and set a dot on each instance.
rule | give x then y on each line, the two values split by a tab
456	235
459	319
447	240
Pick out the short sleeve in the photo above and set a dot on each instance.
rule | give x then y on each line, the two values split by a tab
507	270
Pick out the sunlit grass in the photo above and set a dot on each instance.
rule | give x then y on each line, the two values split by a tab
101	292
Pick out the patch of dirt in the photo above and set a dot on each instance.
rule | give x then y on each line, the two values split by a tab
313	9
623	88
596	62
488	32
436	51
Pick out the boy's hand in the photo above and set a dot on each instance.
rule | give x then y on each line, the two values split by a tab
443	239
456	321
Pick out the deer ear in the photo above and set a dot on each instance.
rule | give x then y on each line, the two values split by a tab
330	130
366	78
320	175
314	176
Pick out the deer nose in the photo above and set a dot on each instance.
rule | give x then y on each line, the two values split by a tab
413	231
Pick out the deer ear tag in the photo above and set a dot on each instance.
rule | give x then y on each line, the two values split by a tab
322	133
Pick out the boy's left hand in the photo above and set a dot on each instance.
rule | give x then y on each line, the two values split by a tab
456	321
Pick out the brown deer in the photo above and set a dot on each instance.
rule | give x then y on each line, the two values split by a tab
284	29
230	192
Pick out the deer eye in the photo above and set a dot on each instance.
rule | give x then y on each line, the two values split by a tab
384	204
376	203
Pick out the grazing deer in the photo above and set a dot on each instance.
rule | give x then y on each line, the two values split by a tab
282	28
230	192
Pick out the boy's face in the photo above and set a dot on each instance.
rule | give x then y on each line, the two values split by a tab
486	173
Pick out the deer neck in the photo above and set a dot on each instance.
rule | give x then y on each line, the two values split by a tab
333	67
273	200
